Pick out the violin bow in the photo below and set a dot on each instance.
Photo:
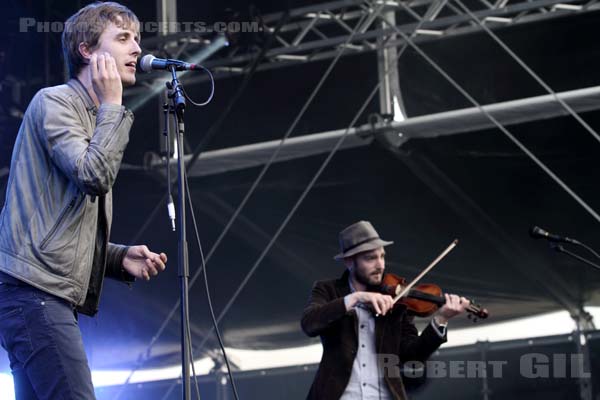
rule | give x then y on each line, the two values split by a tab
425	271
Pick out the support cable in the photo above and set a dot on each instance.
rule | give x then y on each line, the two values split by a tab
520	145
530	71
143	356
173	310
291	213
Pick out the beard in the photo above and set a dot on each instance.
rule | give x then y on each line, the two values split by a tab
369	280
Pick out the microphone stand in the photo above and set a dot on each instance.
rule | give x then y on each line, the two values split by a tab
175	93
583	318
559	248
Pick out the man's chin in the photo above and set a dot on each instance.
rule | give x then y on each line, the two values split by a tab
128	82
127	79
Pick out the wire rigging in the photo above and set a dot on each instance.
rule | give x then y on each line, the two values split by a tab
408	42
530	71
520	145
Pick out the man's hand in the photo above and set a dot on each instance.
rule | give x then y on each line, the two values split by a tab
105	79
454	305
380	303
142	263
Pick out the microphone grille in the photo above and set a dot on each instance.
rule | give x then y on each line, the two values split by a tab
536	232
146	62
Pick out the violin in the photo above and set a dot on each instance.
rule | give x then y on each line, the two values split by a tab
423	299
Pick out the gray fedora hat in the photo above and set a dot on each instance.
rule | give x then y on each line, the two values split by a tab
359	237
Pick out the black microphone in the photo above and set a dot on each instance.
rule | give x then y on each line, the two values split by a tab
148	63
536	232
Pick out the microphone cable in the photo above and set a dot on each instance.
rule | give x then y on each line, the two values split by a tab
206	287
212	90
199	242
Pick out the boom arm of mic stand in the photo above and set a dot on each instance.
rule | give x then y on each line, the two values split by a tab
588	248
561	249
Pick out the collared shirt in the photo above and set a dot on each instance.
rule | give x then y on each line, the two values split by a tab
366	382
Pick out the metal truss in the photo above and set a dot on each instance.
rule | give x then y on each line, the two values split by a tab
316	32
393	134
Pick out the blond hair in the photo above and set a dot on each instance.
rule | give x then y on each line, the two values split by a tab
86	26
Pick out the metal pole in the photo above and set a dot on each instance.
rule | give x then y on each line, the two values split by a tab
184	269
167	17
485	385
582	323
175	93
389	90
166	14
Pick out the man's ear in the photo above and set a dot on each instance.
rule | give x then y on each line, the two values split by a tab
85	51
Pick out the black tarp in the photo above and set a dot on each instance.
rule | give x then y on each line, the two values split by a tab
476	187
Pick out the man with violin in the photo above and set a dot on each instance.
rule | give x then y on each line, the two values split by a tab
361	329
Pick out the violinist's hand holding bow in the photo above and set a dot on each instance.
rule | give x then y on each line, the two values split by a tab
380	303
455	305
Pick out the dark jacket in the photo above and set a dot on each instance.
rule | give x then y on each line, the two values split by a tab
58	197
326	315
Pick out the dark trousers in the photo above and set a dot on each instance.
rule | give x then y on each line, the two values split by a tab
42	337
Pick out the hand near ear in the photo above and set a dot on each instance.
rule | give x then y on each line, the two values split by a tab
105	78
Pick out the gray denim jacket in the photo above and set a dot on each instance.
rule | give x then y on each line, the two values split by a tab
67	155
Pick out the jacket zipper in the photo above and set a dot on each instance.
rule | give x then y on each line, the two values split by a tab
57	224
112	136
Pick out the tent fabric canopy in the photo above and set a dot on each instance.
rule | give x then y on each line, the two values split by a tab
473	185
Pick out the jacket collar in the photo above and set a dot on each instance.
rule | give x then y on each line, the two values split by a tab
82	92
342	285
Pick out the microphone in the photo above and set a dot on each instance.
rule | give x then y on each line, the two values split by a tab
536	232
149	63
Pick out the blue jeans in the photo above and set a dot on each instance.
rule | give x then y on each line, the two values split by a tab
42	337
